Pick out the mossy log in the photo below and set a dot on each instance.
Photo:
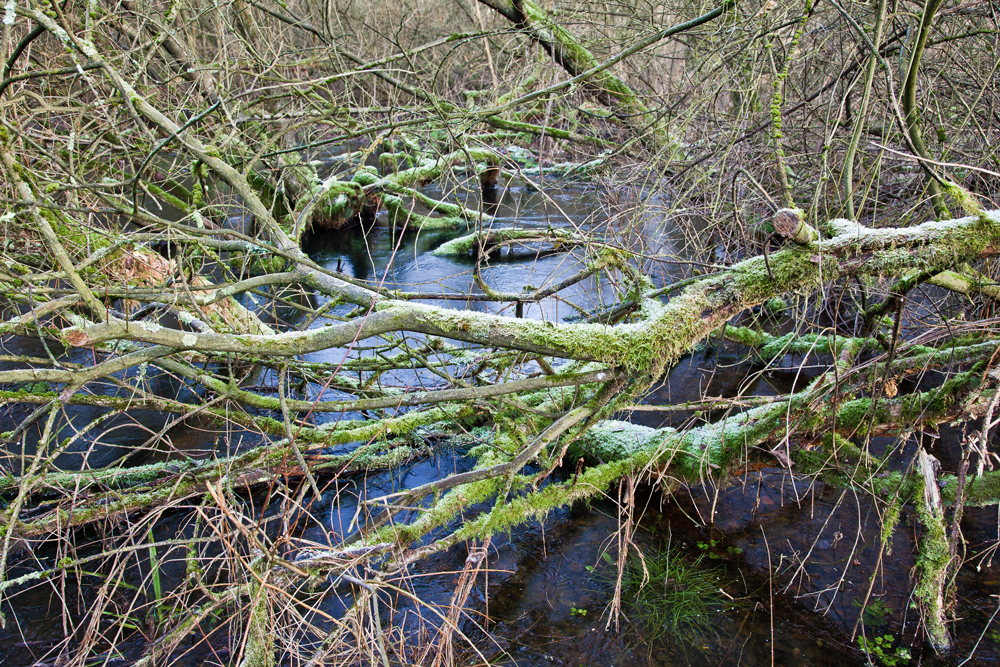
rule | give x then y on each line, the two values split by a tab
934	560
661	333
489	240
337	203
330	205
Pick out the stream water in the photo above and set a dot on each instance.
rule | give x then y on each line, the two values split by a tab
548	589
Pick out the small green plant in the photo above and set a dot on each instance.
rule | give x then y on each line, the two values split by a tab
154	566
607	559
679	598
876	613
709	546
881	650
573	611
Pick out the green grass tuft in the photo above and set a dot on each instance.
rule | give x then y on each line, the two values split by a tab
680	600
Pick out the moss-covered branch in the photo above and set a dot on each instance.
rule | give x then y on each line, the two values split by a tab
666	331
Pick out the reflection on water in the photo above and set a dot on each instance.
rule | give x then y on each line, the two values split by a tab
404	260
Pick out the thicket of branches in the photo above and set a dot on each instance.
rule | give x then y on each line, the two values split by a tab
162	162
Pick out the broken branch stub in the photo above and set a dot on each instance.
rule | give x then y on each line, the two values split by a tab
788	223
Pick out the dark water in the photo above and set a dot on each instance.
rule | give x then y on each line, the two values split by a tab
821	543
